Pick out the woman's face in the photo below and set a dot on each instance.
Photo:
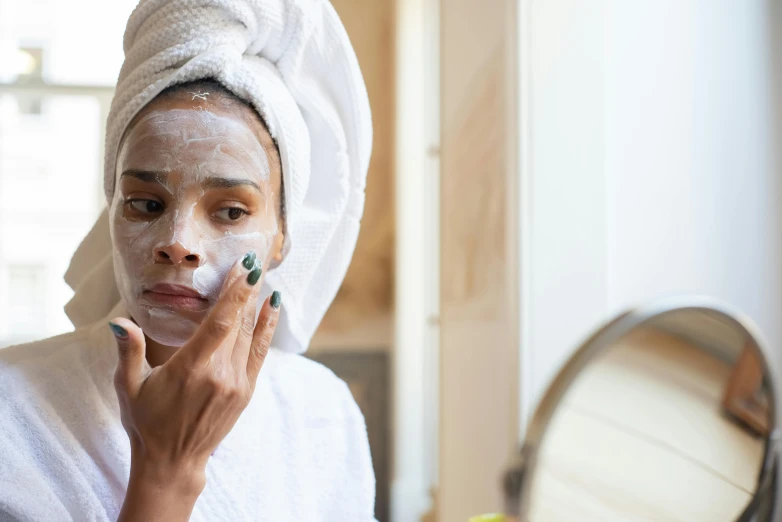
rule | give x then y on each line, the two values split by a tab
195	191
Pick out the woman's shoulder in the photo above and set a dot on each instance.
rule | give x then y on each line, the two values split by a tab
295	364
306	385
49	371
56	429
42	349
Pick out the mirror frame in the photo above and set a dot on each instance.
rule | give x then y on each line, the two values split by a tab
762	507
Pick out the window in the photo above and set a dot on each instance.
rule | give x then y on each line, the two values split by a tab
26	296
30	64
56	85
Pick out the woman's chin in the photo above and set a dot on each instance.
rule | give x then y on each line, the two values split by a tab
170	327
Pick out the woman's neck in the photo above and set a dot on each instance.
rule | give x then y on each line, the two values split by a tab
158	354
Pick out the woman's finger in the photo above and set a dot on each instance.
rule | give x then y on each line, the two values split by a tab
132	366
221	324
248	320
262	336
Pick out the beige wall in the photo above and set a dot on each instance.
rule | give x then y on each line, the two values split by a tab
479	265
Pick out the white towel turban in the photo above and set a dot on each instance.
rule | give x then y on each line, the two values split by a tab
293	62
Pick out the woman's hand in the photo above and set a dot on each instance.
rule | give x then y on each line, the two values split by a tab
177	413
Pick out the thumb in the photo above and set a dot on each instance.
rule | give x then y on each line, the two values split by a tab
132	364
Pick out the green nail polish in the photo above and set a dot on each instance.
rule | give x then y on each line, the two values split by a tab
249	260
118	331
276	299
254	276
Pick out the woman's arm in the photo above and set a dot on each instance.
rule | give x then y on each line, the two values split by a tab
161	494
177	413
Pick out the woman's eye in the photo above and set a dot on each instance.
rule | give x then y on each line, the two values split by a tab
230	213
146	206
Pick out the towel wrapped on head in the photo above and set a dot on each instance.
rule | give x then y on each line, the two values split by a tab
292	61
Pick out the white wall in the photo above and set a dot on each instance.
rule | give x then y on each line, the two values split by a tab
563	187
651	166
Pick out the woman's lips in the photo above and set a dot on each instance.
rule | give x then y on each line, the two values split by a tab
175	296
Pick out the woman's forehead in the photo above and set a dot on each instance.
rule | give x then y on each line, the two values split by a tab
186	138
215	103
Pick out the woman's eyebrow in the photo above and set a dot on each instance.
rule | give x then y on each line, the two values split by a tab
208	183
227	183
145	175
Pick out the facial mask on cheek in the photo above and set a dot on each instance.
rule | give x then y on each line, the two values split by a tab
207	144
221	254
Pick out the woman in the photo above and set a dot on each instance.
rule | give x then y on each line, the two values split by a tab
236	152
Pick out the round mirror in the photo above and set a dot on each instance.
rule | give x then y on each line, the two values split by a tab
663	415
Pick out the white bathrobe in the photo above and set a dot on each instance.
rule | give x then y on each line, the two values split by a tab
299	451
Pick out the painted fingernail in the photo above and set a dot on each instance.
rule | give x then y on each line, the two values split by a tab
249	260
254	276
118	331
276	300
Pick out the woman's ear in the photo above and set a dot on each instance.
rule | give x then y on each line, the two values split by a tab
276	255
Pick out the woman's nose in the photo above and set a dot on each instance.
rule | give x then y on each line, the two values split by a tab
177	254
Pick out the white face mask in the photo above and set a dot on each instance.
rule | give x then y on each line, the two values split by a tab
193	196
